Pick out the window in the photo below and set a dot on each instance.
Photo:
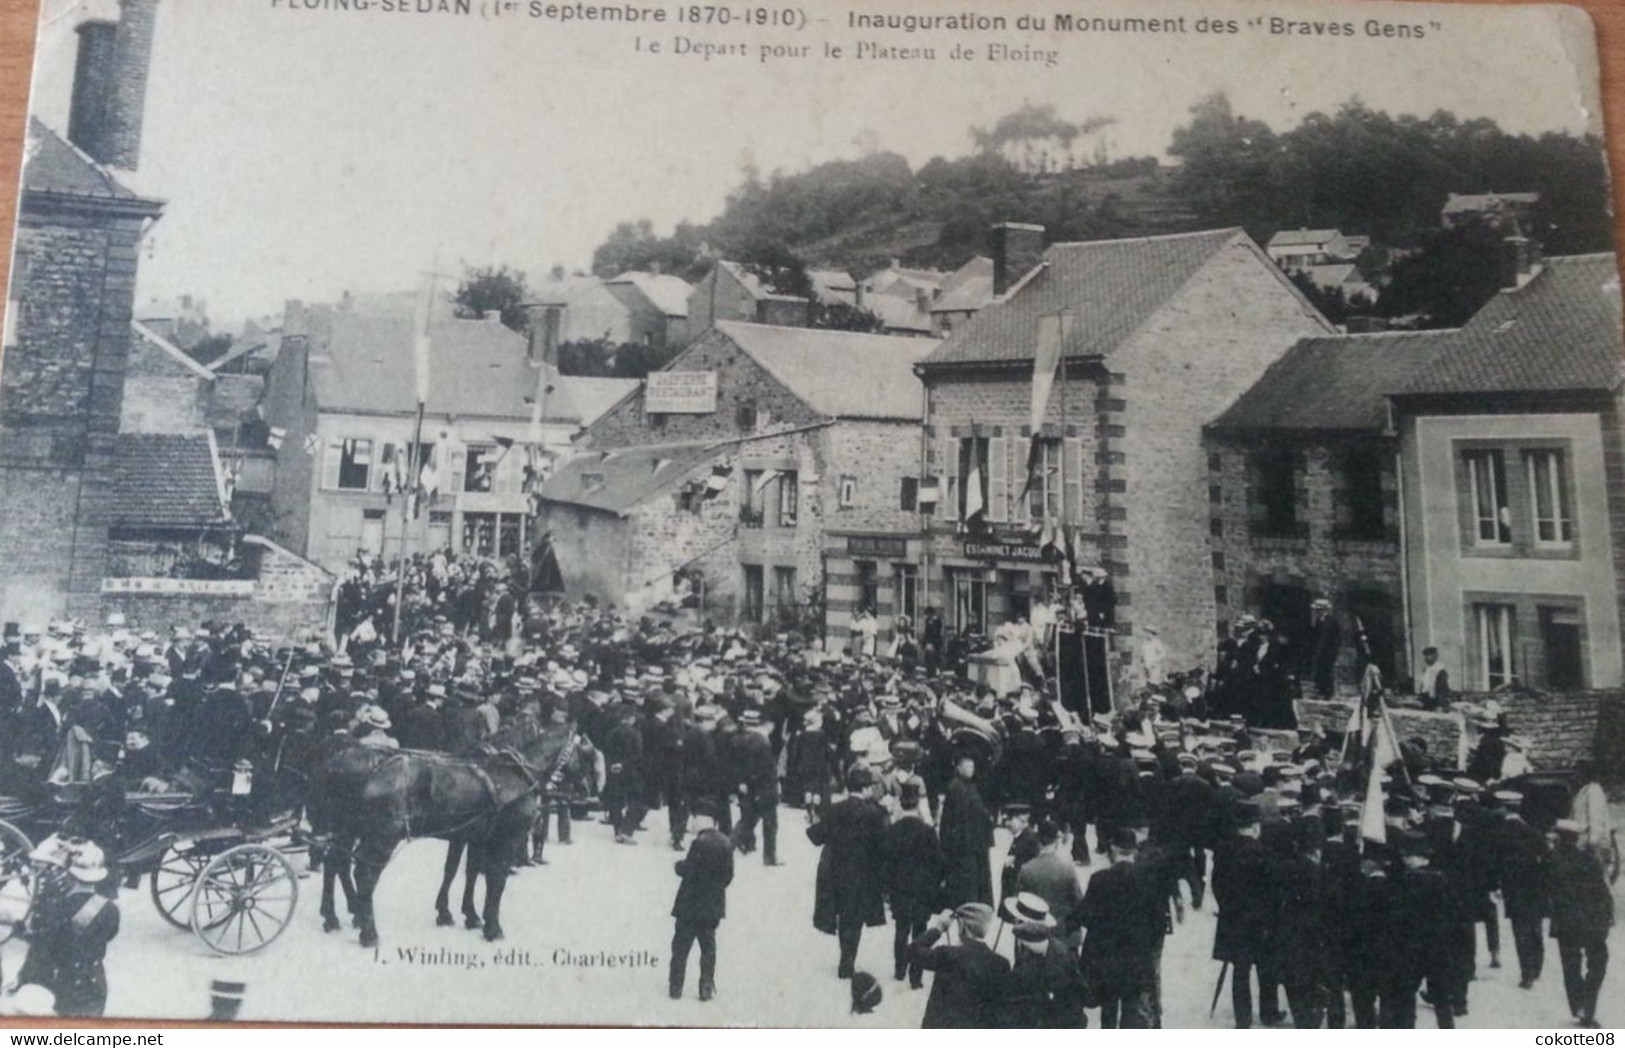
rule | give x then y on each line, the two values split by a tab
752	610
908	496
493	534
1275	492
1562	648
750	499
868	583
847	493
1359	494
394	470
784	587
1044	491
1487	477
349	465
1493	627
479	468
1549	497
907	581
745	416
972	477
969	587
789	498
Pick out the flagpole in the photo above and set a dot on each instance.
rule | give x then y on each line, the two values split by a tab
412	469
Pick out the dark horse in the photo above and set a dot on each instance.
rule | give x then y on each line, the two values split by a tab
368	801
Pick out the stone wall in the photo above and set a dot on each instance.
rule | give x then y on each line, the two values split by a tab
1356	575
290	597
161	394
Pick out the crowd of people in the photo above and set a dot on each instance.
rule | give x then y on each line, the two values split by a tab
901	768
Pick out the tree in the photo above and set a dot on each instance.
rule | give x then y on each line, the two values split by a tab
208	350
494	288
840	316
1449	279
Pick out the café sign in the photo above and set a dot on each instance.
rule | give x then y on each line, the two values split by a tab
680	393
993	549
877	546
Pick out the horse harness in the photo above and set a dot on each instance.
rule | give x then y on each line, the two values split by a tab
535	785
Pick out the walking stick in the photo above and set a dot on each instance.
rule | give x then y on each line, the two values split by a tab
1218	988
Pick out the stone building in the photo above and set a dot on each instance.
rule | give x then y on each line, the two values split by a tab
732	291
67	336
343	398
1158	336
745	487
1457	489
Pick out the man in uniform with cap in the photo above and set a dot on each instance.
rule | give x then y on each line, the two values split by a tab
912	869
970	981
1582	912
1123	915
75	919
623	790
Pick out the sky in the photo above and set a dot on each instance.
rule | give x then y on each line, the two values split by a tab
304	153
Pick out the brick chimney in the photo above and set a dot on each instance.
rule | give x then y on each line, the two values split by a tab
110	85
1520	256
1016	248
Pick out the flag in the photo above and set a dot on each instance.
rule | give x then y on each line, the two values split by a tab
929	494
974	503
717	482
1053	329
275	437
313	444
1373	821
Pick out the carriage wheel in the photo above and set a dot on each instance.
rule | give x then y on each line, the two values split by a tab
16	879
172	882
244	899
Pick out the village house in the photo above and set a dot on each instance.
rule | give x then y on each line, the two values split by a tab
1300	250
1454	489
1504	210
341	402
733	291
656	307
1156	336
966	291
738	475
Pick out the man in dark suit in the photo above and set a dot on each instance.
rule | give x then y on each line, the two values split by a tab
702	902
966	830
912	868
1520	859
758	772
971	981
1582	912
1242	891
1052	877
422	725
848	892
1046	988
623	790
1124	917
1325	641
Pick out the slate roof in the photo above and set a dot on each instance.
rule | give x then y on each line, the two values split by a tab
1304	237
165	480
665	292
1113	286
593	397
753	284
1458	202
898	313
476	368
622	478
1559	332
841	374
1333	383
968	289
54	166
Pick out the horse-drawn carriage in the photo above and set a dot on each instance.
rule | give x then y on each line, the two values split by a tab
215	864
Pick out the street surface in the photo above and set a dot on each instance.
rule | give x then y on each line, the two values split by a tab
598	898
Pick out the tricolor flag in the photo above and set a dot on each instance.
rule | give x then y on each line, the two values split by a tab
1373	821
974	503
929	494
1053	330
717	482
